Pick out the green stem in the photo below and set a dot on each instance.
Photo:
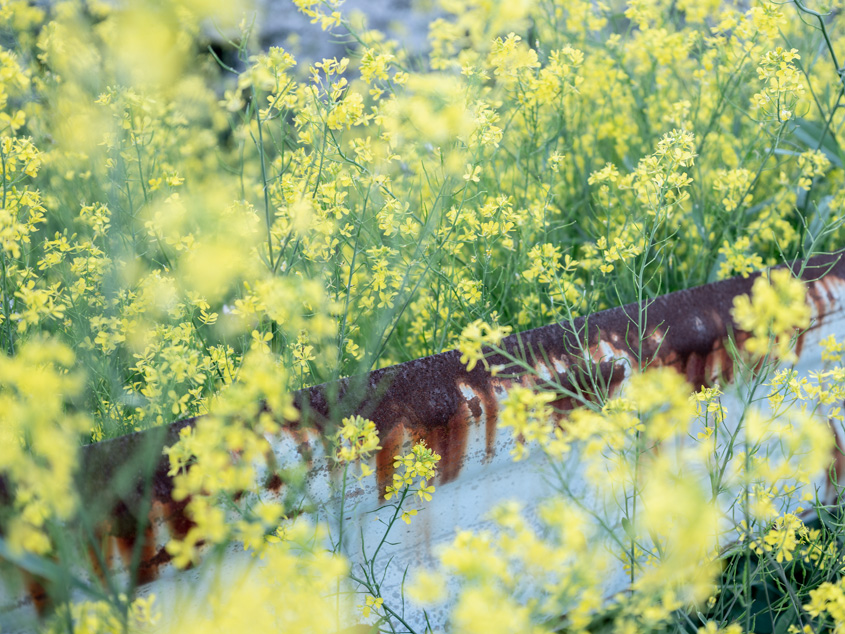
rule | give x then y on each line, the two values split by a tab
6	307
135	142
386	608
342	503
261	153
823	28
6	295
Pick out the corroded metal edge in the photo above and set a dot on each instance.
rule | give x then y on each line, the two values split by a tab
435	399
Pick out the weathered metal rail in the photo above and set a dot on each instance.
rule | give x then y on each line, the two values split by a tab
455	411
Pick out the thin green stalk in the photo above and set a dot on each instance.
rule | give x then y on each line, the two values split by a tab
398	508
342	335
339	545
10	343
825	35
135	143
261	154
384	606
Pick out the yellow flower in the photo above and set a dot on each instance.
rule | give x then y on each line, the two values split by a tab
772	313
527	412
427	587
370	604
418	467
357	439
473	173
474	337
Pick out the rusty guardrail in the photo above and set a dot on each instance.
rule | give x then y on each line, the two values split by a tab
455	411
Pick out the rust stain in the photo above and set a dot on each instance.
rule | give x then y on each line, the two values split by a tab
178	522
391	445
38	594
274	483
450	441
474	405
491	423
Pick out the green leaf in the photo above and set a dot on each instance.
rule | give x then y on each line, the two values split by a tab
628	528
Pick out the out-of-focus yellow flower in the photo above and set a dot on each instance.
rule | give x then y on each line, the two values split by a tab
474	337
772	313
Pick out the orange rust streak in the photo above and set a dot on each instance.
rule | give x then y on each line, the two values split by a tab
147	570
391	445
38	594
450	442
491	422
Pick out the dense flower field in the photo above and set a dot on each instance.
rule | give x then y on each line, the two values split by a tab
194	229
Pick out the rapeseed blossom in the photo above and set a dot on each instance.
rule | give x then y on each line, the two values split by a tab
418	468
187	234
773	312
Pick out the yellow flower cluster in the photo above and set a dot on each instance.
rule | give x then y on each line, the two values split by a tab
290	590
828	600
218	459
772	313
418	469
545	263
738	259
813	164
784	537
783	85
658	182
495	571
40	437
99	617
356	440
475	337
527	412
661	397
709	404
734	187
